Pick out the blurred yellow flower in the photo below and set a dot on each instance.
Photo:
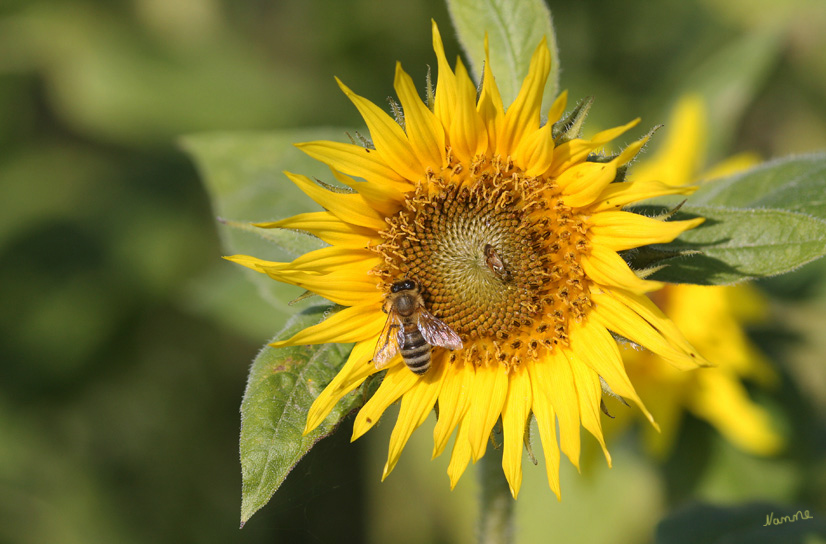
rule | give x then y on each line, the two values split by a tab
501	235
711	317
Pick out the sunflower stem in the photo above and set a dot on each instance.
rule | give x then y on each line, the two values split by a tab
496	506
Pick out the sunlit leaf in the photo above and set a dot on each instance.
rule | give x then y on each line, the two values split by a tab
243	174
766	221
740	244
283	383
796	184
514	29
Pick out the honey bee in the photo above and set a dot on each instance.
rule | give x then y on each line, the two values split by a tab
495	264
411	329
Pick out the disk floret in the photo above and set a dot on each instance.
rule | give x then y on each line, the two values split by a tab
497	253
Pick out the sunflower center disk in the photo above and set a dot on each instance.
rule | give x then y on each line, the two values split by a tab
496	254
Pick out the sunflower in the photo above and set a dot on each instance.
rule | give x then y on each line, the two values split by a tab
711	317
511	229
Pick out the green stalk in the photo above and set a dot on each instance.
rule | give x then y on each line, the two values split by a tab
496	505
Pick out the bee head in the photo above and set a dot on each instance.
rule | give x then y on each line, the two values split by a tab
403	285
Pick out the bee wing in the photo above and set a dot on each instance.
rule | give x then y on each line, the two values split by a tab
436	332
389	340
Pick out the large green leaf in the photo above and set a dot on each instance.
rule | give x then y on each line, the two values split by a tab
283	383
795	184
740	244
766	221
514	29
243	174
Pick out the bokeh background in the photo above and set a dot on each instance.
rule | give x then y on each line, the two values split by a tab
125	340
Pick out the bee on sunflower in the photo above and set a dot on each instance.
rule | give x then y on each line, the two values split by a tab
506	232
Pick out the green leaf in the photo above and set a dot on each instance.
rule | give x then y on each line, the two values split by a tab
744	524
514	29
741	244
795	184
283	383
243	175
766	221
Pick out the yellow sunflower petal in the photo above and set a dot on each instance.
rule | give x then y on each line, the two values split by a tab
575	151
523	116
460	456
514	416
591	342
385	199
454	400
490	384
345	287
425	132
536	151
618	230
417	404
390	140
351	208
589	391
723	401
355	160
626	322
330	259
648	310
554	375
606	267
328	227
352	374
468	136
446	93
546	424
397	382
253	263
321	261
620	194
352	324
583	183
490	102
558	107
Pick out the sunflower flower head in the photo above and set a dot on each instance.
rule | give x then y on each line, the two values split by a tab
511	229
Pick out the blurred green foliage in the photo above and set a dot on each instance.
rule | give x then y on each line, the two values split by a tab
125	341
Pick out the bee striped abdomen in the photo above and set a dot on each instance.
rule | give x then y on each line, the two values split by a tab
415	352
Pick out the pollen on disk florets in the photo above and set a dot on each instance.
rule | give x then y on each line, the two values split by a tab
496	253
